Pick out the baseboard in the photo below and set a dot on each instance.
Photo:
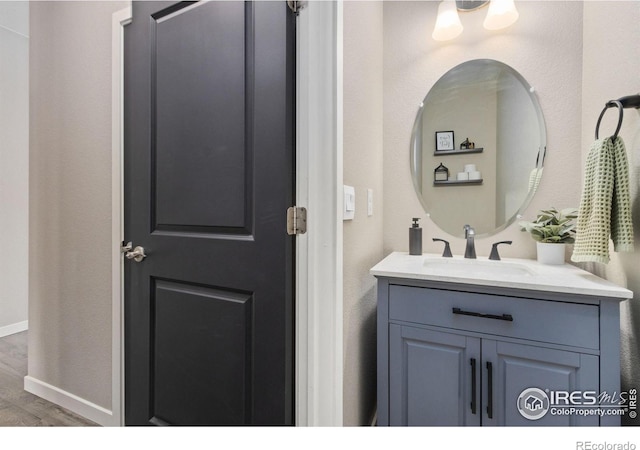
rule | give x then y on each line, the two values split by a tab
14	328
78	405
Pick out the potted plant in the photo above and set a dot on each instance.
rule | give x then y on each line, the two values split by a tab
550	230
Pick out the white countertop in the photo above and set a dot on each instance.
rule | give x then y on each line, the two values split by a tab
509	272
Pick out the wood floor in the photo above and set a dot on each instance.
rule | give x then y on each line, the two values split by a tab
19	408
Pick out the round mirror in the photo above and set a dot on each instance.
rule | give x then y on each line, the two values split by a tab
478	147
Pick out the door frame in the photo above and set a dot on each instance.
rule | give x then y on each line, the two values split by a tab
318	333
119	20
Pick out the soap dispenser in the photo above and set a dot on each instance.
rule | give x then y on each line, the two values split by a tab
415	238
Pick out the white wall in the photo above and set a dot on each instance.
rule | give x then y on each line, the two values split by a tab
544	46
470	114
14	165
70	197
518	143
610	70
362	236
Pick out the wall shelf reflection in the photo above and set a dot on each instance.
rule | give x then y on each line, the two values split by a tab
457	182
457	152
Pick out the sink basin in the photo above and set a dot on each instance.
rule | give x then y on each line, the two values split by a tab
472	268
510	273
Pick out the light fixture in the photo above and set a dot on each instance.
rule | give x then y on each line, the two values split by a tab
470	5
448	24
501	14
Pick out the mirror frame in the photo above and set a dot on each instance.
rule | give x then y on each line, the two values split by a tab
416	147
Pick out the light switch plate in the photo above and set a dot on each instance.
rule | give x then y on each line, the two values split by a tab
369	202
349	204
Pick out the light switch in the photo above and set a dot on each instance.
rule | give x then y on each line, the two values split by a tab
369	202
349	209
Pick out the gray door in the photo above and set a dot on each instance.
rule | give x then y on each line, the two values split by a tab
434	378
517	368
209	174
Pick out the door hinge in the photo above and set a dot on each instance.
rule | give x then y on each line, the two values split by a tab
296	5
296	220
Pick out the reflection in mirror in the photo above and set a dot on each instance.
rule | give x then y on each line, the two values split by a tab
478	147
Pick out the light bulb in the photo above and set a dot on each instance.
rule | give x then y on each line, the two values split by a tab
448	24
501	14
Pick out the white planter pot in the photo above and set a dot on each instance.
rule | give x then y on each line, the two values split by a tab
550	253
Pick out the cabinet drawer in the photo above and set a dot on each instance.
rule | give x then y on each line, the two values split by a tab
537	320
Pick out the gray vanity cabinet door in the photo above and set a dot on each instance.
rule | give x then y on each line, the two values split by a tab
519	367
430	378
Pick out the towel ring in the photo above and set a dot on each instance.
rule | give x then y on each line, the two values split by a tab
611	104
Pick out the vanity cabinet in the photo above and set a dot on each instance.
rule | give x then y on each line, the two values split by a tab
431	380
443	379
459	354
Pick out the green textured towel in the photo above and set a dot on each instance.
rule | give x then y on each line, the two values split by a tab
534	179
605	207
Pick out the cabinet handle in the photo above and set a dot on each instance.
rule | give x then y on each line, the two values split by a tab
473	385
490	390
507	317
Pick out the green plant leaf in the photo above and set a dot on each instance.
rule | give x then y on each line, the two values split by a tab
552	226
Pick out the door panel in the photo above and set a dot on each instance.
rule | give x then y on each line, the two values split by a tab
519	367
209	120
190	116
212	371
431	378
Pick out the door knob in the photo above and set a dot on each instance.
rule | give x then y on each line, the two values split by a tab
137	254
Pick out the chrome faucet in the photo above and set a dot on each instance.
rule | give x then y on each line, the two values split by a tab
470	250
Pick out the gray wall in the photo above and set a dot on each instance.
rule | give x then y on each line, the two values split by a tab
14	165
70	197
362	236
